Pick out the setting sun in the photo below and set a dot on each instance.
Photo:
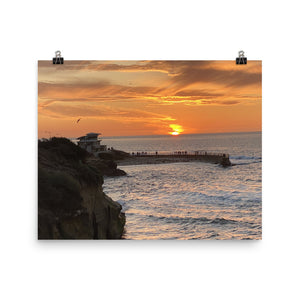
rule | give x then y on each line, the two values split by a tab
177	129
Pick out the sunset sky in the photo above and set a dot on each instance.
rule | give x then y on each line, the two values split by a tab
125	98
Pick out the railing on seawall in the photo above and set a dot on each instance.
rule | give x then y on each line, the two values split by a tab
178	153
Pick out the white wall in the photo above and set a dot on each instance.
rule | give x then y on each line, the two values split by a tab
32	30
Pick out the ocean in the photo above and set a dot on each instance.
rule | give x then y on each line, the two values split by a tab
191	200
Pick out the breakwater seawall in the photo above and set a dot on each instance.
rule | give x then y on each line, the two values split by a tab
178	156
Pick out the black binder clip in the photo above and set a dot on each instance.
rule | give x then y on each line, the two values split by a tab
58	60
241	60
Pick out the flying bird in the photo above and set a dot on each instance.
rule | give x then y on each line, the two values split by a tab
78	120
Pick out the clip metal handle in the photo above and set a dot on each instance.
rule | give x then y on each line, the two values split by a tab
241	60
58	60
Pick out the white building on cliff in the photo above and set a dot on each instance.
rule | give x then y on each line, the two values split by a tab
91	143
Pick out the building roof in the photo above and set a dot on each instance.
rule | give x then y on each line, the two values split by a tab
90	134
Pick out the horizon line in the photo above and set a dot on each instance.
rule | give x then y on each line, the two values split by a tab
153	135
184	134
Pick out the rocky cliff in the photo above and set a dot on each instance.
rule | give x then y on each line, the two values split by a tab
71	202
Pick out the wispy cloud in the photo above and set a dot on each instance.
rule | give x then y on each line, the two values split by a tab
148	93
102	112
192	82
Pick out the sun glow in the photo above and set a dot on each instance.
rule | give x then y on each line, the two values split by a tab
176	129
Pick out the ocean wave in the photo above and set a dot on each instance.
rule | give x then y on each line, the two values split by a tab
245	163
243	157
222	221
191	220
245	160
212	236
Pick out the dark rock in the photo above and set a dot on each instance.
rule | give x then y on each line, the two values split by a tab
113	155
225	162
105	167
119	172
72	204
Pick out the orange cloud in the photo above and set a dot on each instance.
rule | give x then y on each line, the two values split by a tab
158	92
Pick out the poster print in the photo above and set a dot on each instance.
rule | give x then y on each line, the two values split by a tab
149	150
